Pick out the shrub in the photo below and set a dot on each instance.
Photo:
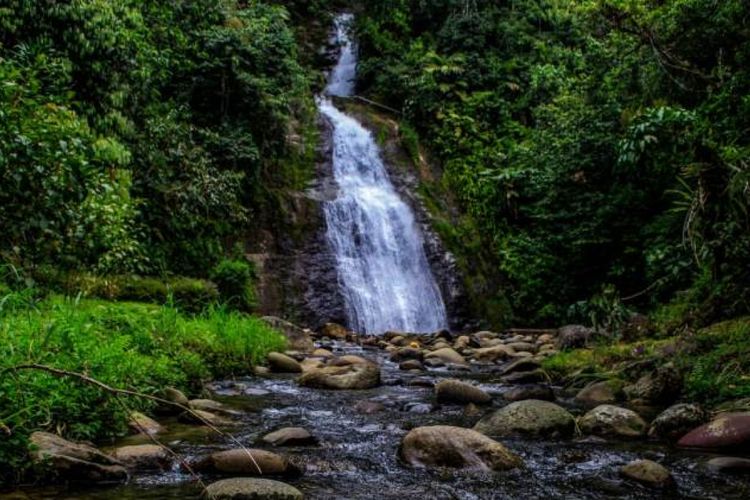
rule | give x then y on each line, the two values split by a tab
234	279
135	346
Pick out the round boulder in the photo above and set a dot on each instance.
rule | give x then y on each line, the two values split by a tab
597	393
446	355
530	417
610	420
246	488
447	446
649	473
143	457
281	363
363	375
726	431
530	391
251	462
456	391
289	436
676	421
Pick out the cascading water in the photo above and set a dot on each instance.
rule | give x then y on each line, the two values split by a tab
383	271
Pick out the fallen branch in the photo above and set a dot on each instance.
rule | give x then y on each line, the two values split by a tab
116	391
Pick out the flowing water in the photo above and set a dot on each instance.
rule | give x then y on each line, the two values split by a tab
384	275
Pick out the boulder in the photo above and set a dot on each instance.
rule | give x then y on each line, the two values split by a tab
143	457
520	365
676	421
175	396
493	354
297	338
250	462
529	377
574	336
447	446
729	465
649	473
726	431
531	391
74	461
530	418
334	331
405	353
522	346
447	355
246	488
366	407
362	375
462	342
597	393
609	420
411	364
308	364
211	406
456	391
144	424
289	436
202	417
281	363
322	353
661	386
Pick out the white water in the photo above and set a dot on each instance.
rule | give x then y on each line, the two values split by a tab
383	271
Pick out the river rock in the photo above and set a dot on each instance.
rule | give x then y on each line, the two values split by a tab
74	461
520	365
574	336
456	391
202	417
522	346
251	462
366	407
531	391
447	446
727	430
730	465
677	420
610	420
246	488
289	436
175	396
144	424
530	417
212	406
649	473
322	353
493	354
411	364
308	364
447	355
661	386
281	363
529	377
297	338
597	393
405	353
334	331
143	457
462	343
363	375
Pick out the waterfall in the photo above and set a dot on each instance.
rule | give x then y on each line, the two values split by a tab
383	272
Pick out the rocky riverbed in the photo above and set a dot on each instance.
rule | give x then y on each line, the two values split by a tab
441	416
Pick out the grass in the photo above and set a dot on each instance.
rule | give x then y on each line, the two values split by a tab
136	346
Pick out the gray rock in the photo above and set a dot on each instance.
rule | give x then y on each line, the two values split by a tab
609	420
281	363
574	336
597	393
530	417
143	457
662	386
447	446
298	339
456	391
649	473
143	424
532	391
289	436
74	461
251	489
677	420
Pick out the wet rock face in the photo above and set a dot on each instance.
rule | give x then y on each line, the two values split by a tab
529	418
447	446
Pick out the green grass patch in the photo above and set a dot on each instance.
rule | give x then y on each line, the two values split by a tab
126	345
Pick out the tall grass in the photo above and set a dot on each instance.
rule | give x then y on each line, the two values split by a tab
128	345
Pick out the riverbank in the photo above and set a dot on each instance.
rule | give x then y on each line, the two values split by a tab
134	346
487	391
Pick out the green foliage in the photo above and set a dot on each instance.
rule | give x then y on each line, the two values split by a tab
717	362
133	346
595	143
234	279
135	136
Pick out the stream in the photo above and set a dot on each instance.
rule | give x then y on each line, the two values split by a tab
357	454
